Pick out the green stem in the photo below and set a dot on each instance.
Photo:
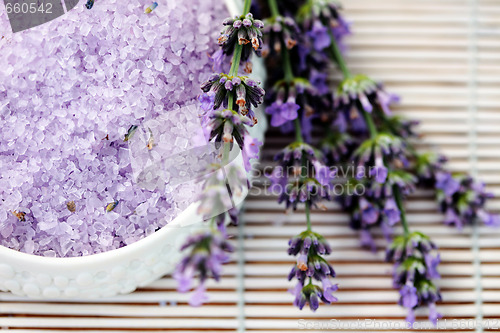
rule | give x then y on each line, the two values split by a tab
369	122
298	131
238	49
287	65
225	153
308	216
213	225
235	64
246	6
289	77
230	100
399	201
273	7
339	59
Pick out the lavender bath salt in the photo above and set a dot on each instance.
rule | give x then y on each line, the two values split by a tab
73	93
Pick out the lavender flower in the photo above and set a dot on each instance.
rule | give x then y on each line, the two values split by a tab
337	146
300	177
243	30
250	150
285	109
279	30
460	198
319	81
218	58
206	101
362	92
311	266
327	14
246	90
320	36
208	253
463	200
415	268
227	125
282	112
376	206
399	126
446	183
214	198
294	179
379	170
323	174
369	213
391	212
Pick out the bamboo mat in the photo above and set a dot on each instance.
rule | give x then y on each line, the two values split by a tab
443	58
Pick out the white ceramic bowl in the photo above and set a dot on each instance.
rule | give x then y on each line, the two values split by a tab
118	271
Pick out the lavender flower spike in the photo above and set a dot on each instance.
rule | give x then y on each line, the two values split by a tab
415	268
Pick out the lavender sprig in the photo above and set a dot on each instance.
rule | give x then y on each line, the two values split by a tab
415	269
301	176
236	95
363	130
460	197
361	97
387	156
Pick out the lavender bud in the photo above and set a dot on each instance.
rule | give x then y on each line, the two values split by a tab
229	85
258	24
247	23
237	24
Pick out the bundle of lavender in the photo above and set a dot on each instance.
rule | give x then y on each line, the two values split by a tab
358	127
302	42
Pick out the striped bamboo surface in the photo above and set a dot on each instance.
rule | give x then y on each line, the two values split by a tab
443	58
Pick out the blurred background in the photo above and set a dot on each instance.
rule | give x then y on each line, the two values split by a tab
443	58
